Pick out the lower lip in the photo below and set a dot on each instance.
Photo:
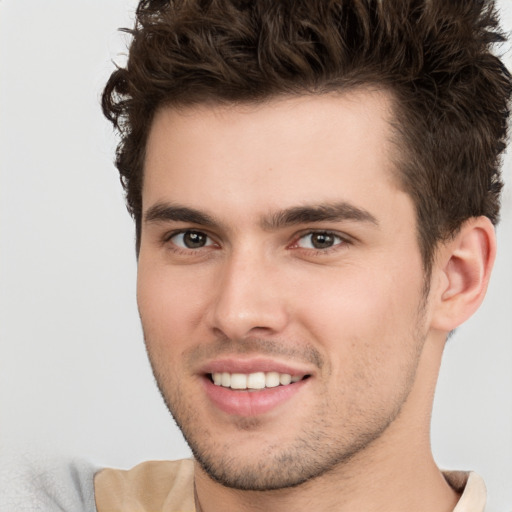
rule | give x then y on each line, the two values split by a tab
250	403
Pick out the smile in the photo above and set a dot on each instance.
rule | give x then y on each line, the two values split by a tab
253	381
252	394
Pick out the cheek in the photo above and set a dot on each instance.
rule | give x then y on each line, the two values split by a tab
171	303
363	299
366	319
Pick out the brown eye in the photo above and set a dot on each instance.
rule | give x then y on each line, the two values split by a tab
319	240
191	240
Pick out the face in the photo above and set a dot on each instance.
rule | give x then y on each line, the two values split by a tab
280	283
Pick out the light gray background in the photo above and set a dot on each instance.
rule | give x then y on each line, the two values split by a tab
74	377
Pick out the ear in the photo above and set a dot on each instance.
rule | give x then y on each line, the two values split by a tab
461	273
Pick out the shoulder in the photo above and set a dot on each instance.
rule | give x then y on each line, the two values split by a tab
153	485
34	483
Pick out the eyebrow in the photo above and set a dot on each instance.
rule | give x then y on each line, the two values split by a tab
330	212
161	212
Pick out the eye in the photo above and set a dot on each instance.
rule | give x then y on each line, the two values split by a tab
319	240
191	240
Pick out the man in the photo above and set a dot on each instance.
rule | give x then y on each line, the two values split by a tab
314	186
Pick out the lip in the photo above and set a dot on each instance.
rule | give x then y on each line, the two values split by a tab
251	403
253	365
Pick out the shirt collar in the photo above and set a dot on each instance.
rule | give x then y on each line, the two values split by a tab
472	489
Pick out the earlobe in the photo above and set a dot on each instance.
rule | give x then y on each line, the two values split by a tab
464	267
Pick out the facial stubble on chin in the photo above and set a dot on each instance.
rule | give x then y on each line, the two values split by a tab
312	454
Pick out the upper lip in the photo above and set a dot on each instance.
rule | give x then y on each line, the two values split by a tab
252	365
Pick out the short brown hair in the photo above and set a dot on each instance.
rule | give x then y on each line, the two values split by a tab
451	92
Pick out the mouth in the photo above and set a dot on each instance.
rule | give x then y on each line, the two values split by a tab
254	381
252	387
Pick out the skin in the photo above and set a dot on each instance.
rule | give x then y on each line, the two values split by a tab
352	315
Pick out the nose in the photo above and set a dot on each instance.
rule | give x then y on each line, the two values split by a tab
249	300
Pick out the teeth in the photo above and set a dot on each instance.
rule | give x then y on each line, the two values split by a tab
225	379
258	380
272	380
238	381
285	379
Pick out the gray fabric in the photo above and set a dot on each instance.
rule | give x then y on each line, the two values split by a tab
37	484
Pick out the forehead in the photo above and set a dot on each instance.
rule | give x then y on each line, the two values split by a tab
255	157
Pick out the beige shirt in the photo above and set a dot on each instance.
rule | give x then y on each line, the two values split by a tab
168	486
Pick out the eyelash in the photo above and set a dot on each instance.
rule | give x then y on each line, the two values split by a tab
187	250
341	242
